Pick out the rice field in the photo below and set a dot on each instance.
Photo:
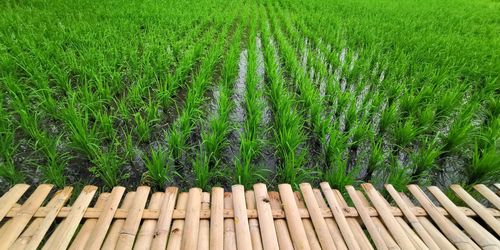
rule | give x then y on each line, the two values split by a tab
203	93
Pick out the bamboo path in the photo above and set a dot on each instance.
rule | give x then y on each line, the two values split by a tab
309	218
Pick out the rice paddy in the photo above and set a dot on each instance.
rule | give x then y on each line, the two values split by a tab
204	93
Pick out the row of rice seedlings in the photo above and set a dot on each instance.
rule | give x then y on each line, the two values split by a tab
8	170
208	162
109	160
247	171
178	134
289	137
206	166
333	144
343	168
52	167
422	128
307	92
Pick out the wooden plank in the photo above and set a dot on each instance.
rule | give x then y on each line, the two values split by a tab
94	213
477	207
104	222
116	226
267	229
192	221
282	233
312	238
452	232
25	237
254	223
11	197
367	220
340	219
242	229
60	199
412	219
175	239
387	217
330	222
480	235
436	235
229	231
23	216
131	225
62	236
488	194
293	219
165	219
204	233
358	232
217	219
317	218
147	230
38	225
88	226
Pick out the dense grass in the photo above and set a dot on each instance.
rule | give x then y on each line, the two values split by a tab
143	92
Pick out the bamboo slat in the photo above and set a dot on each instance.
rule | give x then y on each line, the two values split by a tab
103	223
217	219
62	236
165	218
88	226
175	237
147	230
253	223
204	233
253	219
339	216
266	221
10	198
23	216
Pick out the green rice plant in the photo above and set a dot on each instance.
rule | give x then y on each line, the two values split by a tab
107	165
388	117
425	159
105	124
398	176
10	173
361	132
251	142
203	172
484	165
405	132
288	132
449	100
158	165
426	118
338	176
492	109
83	137
458	134
376	159
219	127
142	127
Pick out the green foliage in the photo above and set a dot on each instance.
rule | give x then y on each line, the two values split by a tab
348	90
158	166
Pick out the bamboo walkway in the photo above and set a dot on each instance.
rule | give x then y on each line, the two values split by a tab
258	219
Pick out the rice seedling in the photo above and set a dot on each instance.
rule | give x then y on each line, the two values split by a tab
342	94
158	166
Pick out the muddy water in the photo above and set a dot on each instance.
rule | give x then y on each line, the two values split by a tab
269	160
238	115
